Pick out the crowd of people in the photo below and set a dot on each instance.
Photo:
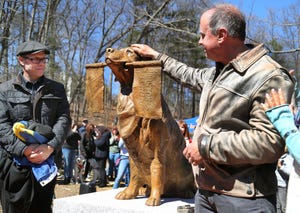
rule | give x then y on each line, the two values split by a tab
99	152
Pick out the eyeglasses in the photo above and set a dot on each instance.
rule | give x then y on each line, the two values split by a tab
37	60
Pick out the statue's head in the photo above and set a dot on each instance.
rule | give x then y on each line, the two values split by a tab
117	60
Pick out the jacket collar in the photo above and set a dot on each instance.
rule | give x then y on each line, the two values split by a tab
22	81
248	58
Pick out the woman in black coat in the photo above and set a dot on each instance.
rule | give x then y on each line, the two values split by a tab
101	154
87	147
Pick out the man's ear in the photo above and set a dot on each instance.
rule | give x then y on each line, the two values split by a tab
21	60
222	34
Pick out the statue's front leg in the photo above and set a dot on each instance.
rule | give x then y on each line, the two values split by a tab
156	172
134	186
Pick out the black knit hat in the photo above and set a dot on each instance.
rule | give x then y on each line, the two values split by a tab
30	47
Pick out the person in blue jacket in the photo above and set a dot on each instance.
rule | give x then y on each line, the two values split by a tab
282	117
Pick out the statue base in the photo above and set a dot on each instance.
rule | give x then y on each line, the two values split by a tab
105	201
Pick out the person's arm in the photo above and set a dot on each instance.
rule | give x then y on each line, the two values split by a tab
82	146
244	135
34	153
281	116
145	51
296	88
189	76
102	140
112	140
60	128
121	143
8	140
63	120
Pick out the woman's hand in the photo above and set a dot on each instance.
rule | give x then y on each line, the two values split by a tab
273	99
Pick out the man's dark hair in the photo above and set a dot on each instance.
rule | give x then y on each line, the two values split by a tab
229	17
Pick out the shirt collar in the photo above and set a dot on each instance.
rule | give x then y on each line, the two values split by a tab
30	85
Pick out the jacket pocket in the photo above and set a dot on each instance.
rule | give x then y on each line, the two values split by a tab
20	107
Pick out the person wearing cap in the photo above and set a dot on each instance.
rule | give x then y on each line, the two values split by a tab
30	96
82	129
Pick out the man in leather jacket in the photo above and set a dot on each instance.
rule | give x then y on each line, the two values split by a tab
235	147
31	97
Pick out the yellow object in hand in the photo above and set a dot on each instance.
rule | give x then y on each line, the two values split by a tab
19	128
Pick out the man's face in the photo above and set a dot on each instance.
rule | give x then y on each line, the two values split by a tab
33	65
207	39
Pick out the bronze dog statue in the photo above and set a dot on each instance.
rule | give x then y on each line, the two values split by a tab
155	145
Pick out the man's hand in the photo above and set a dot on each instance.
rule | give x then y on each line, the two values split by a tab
29	149
38	153
192	154
145	51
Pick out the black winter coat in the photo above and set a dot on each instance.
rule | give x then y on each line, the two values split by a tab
102	145
72	140
87	146
49	106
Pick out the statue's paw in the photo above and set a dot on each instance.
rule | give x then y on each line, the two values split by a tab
125	195
152	201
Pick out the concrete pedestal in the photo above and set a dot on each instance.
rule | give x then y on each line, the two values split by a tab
105	202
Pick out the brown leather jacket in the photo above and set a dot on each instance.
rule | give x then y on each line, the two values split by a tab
239	145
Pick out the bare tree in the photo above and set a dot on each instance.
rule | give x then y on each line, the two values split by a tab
79	31
7	14
290	36
32	19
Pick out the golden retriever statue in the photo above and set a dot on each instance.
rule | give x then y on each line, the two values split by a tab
155	145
